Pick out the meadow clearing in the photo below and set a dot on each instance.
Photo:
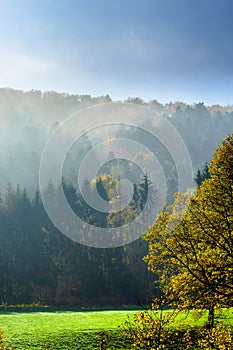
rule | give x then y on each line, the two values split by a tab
56	328
74	329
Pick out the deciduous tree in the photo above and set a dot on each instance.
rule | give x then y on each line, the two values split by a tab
191	243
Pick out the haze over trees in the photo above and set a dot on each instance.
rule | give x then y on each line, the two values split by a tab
28	118
39	264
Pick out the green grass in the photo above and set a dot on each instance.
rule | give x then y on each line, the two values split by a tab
56	329
59	328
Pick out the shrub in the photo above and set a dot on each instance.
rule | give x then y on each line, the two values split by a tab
150	329
217	338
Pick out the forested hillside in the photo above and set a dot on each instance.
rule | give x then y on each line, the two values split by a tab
28	118
40	265
37	263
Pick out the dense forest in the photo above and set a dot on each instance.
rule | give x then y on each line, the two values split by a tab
40	265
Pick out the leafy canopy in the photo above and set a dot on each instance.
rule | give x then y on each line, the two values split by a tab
191	243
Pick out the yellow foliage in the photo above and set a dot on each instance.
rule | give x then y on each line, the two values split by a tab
151	330
108	181
191	243
218	338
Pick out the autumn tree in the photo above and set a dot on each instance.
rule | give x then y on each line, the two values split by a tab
191	243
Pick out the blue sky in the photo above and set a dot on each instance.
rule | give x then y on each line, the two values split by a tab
167	50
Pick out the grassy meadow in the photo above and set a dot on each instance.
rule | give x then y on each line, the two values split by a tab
57	328
54	328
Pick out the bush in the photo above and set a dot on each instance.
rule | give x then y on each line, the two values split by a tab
154	330
217	338
150	329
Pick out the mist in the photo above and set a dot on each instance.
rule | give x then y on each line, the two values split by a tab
28	118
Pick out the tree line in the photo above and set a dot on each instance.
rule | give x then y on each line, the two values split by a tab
40	265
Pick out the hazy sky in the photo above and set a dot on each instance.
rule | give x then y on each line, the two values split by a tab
156	49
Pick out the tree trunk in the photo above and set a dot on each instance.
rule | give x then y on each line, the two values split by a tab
210	321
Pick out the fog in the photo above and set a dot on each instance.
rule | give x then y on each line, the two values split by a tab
28	119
